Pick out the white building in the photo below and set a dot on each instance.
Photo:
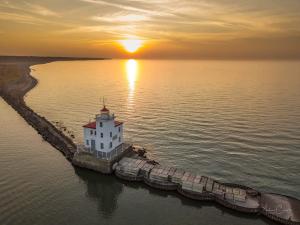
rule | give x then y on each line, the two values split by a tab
104	135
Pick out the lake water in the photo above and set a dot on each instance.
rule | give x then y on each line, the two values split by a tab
234	121
39	186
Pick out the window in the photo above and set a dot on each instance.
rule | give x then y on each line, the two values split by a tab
119	139
95	132
101	135
101	125
102	146
110	145
91	132
119	129
87	142
110	134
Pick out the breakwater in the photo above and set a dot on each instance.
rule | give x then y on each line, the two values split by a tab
276	207
48	131
280	208
13	93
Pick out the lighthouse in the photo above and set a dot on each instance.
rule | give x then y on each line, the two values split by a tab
104	136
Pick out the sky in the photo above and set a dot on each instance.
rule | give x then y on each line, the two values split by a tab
187	29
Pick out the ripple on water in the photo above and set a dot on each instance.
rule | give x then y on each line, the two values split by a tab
241	124
38	186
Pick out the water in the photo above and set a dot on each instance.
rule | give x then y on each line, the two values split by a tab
39	186
237	121
234	121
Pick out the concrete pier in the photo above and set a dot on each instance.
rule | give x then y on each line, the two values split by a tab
283	209
85	159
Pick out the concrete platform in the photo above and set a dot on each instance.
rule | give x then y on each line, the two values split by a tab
88	160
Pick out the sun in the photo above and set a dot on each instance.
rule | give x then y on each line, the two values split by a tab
131	46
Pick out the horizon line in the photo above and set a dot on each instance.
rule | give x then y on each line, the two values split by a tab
154	58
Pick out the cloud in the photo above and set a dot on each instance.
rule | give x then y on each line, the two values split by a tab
20	18
184	21
31	8
106	32
40	10
197	17
187	23
121	18
129	7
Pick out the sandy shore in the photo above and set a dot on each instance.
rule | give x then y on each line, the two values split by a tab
15	71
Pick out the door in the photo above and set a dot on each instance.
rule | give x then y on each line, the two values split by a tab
93	145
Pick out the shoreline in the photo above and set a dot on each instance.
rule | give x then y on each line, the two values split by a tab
13	93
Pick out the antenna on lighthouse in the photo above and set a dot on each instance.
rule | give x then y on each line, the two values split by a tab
103	101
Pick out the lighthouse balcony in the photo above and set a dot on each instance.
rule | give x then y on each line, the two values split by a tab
105	116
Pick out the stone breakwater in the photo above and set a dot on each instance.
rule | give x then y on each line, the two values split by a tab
283	209
14	93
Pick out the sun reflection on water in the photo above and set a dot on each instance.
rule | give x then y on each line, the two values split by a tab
132	72
132	68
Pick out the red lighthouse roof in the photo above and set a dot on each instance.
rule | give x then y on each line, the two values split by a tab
104	109
91	125
118	123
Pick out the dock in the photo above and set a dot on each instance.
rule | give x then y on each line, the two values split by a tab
282	209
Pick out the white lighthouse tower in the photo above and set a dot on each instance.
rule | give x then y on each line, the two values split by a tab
104	136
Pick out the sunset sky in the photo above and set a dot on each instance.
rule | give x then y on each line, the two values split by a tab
155	28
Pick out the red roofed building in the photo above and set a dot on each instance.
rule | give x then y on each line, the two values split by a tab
91	125
105	134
